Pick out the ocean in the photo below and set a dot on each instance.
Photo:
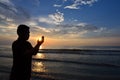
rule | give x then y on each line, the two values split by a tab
83	63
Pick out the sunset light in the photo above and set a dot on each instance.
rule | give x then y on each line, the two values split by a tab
60	39
39	66
40	39
87	23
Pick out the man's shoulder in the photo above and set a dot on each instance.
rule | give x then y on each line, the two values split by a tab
27	42
21	43
16	42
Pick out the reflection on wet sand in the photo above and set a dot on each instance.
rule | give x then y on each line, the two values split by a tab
38	66
40	56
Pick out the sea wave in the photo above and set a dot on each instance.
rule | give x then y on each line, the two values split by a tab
79	51
77	62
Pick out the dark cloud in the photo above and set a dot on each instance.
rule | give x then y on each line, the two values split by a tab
77	30
79	27
11	13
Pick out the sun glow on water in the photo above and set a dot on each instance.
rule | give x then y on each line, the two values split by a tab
38	66
40	55
41	47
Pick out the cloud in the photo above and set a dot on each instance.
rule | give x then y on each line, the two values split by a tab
6	1
7	31
51	25
113	32
73	6
55	27
56	5
10	16
76	30
80	27
9	13
77	3
54	19
65	0
57	17
46	20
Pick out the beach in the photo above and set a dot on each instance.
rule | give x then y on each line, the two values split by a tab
68	64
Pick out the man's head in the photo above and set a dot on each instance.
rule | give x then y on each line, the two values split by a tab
23	31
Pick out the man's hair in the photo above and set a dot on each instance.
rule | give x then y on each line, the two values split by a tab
22	29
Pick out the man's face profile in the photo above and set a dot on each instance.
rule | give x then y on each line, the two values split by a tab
23	32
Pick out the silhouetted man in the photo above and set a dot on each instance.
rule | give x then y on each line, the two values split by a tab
22	54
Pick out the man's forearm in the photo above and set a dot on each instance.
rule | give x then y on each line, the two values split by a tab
36	49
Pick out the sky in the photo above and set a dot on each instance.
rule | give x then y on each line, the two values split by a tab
64	23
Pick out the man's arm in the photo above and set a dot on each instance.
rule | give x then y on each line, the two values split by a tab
35	49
